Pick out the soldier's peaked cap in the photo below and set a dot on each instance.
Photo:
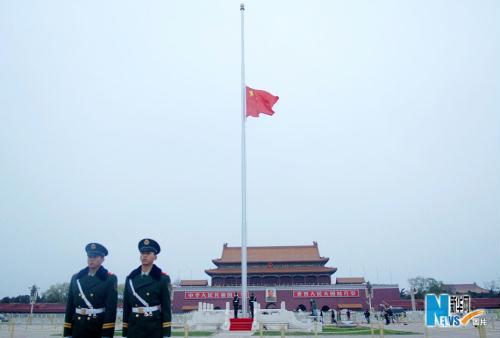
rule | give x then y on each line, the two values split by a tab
96	249
149	245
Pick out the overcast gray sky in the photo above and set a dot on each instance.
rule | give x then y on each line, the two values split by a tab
120	120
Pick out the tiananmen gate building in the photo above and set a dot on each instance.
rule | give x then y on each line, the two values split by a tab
293	274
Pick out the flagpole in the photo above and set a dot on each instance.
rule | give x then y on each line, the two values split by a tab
243	172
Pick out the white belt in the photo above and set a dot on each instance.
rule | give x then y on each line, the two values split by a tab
89	312
147	310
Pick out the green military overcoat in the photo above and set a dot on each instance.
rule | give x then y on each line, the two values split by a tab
101	292
154	290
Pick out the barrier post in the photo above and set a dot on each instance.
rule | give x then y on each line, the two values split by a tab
482	331
11	328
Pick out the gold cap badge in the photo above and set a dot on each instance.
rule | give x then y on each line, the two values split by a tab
92	246
146	242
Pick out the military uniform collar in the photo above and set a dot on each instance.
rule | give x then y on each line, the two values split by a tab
102	273
155	272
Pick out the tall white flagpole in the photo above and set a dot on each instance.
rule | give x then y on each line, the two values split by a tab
243	172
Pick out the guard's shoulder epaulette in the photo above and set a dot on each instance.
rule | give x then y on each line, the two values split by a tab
166	277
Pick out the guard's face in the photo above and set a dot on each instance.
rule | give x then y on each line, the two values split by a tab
94	262
148	257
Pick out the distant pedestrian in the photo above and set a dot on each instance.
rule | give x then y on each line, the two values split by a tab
348	314
314	308
367	316
333	317
391	314
386	316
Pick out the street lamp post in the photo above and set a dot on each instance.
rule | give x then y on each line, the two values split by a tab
369	291
33	297
412	296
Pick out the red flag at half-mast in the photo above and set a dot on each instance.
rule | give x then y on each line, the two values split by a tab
260	102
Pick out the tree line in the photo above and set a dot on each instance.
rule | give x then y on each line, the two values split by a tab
57	293
422	285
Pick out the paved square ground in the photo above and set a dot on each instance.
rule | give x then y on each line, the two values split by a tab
49	330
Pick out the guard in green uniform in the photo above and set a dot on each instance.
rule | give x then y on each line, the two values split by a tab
92	298
146	299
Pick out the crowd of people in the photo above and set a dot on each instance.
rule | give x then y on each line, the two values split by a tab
387	314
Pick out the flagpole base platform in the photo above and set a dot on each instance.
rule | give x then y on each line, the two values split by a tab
240	324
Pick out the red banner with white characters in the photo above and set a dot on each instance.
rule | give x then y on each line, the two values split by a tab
325	293
211	294
197	295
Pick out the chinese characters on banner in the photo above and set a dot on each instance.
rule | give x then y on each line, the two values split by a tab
272	294
211	295
325	293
